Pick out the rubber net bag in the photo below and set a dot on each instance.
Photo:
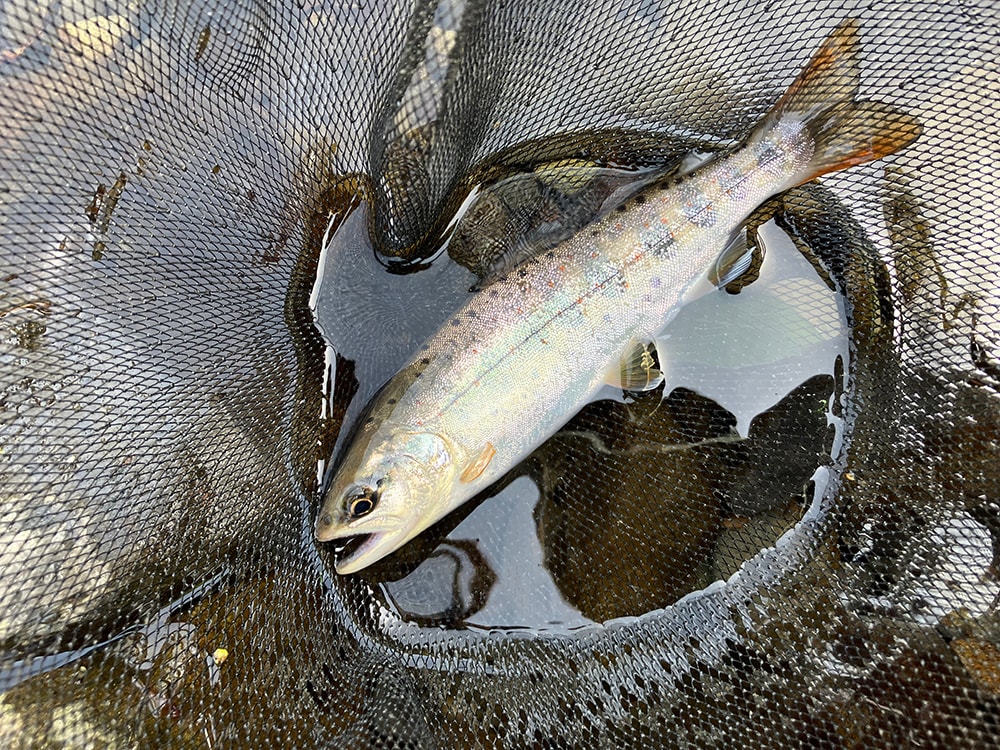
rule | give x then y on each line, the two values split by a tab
225	224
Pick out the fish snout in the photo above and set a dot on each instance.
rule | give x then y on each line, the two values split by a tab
328	529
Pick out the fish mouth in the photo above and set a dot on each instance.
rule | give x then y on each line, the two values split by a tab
364	541
364	549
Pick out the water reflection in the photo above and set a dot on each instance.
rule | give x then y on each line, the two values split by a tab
461	574
447	588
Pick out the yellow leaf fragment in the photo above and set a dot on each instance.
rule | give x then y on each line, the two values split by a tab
982	659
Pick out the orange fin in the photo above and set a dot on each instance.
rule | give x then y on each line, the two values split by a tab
477	466
845	132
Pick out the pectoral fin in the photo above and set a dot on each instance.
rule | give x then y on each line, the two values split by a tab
478	465
637	370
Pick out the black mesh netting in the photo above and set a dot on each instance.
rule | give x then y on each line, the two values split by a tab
794	544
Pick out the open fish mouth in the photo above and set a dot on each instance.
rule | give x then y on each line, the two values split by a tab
362	550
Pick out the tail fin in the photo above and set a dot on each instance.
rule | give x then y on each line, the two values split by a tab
845	132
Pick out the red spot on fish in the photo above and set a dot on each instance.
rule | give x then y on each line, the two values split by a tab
551	283
664	220
520	311
619	226
593	255
645	225
579	300
562	268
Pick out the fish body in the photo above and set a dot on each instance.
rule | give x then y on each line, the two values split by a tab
526	353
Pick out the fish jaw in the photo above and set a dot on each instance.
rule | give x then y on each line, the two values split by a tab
380	538
376	546
330	527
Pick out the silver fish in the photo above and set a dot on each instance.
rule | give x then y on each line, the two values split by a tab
529	351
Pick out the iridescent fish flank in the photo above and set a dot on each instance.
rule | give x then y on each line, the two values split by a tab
530	350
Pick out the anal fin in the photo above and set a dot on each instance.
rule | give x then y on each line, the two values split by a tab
739	262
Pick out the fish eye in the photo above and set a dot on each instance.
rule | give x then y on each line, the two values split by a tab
364	503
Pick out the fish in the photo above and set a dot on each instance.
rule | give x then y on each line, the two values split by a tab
528	351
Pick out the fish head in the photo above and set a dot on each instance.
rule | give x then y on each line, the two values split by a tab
390	491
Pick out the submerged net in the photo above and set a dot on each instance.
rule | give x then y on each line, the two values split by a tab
795	544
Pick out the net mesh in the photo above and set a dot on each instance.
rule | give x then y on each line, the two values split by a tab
225	224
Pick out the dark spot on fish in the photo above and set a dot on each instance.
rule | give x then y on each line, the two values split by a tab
424	347
391	401
369	421
622	208
494	293
425	361
640	199
595	233
326	519
456	322
732	182
550	254
522	273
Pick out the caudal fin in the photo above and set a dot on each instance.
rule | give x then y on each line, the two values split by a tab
845	132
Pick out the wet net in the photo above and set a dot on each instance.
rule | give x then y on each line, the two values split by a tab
223	227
